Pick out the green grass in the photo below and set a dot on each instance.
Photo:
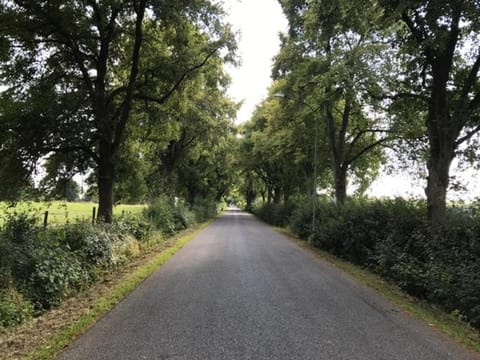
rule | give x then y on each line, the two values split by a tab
59	212
449	324
66	335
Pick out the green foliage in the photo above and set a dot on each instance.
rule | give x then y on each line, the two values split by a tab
171	218
19	237
44	266
56	274
85	240
393	239
184	217
93	96
278	215
14	308
204	209
160	212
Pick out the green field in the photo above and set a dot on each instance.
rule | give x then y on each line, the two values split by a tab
60	212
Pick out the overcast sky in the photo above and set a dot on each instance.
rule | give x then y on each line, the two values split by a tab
259	23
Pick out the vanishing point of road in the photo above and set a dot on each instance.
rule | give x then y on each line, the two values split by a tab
240	290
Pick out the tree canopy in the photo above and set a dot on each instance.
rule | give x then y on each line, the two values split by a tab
82	75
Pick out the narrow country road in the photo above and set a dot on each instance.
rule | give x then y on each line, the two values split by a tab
239	290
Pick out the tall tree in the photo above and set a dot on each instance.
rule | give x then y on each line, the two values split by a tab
441	61
77	67
189	139
328	60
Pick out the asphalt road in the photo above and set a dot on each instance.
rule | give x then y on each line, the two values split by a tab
242	291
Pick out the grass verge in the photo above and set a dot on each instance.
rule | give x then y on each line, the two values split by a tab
69	333
448	324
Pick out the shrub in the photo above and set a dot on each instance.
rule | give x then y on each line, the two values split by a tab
14	308
183	217
56	274
275	214
91	247
19	237
135	225
160	213
393	238
300	222
204	209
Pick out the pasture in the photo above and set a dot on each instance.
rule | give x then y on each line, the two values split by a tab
61	212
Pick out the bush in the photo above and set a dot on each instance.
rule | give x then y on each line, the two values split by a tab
183	217
135	225
18	238
14	309
275	214
204	209
160	213
56	274
300	221
393	239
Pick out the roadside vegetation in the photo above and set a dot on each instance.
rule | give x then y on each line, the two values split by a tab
41	267
132	96
392	238
109	103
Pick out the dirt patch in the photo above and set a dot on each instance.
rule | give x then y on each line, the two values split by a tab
18	342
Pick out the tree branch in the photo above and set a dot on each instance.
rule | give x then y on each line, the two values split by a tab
366	149
175	86
127	103
399	95
69	149
468	135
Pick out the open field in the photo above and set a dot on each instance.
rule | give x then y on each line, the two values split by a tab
60	212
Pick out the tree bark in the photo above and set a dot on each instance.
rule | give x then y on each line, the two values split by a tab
277	195
337	152
441	153
442	134
437	186
106	179
340	185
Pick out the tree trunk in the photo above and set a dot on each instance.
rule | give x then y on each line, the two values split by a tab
336	150
269	195
436	191
277	195
441	154
442	134
340	185
106	178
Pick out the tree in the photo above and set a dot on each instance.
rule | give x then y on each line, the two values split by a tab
328	61
58	182
76	69
275	152
190	148
441	62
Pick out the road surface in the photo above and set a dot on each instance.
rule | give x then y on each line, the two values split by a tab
242	291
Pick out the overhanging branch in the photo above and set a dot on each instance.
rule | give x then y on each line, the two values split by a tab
161	100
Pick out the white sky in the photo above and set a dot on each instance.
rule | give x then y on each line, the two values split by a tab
259	23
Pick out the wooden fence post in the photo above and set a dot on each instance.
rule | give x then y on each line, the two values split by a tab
45	220
94	210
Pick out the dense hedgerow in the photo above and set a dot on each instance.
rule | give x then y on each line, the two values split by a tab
393	238
41	267
204	209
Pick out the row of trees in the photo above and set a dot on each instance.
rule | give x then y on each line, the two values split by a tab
398	75
131	91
